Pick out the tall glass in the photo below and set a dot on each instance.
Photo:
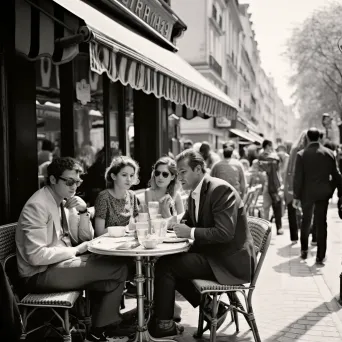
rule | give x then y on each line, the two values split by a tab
153	209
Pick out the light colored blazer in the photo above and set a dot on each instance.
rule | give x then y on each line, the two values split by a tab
38	229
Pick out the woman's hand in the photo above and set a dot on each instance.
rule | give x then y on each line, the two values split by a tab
166	203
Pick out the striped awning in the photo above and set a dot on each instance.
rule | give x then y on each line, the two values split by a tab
38	24
133	60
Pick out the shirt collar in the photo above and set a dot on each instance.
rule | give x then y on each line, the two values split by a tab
197	191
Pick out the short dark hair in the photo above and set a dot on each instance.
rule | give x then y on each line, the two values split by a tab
266	143
59	165
313	134
194	158
48	145
116	165
321	135
228	152
188	142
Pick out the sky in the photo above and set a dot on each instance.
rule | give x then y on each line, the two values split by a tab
273	21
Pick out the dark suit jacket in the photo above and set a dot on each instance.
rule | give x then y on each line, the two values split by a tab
316	174
222	233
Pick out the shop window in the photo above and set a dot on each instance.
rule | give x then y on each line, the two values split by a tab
129	113
115	148
47	115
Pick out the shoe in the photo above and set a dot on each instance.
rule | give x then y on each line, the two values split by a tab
320	261
103	336
175	330
280	231
304	254
294	242
313	243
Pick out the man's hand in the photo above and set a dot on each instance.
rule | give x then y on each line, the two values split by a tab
296	204
77	203
181	230
82	248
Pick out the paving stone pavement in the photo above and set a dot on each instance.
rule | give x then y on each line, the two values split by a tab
292	301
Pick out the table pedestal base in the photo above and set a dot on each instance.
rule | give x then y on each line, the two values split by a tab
144	336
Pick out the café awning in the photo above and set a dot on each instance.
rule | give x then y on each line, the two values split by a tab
134	60
242	134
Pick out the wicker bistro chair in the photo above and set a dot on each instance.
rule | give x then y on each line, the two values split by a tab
255	204
248	198
261	233
57	302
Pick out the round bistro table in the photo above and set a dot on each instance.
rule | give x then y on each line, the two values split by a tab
106	245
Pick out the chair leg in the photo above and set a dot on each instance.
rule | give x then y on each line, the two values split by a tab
199	332
24	326
87	318
214	319
255	330
67	334
234	300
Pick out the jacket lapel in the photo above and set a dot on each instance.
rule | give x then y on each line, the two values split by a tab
204	190
54	210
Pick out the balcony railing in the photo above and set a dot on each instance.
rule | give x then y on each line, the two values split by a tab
215	66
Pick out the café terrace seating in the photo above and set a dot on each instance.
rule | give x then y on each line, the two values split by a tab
59	303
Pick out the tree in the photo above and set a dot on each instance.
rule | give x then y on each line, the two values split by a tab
317	65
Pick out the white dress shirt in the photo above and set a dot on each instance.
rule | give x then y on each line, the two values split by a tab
196	195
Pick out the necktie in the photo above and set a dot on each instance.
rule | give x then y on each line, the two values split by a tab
64	223
193	205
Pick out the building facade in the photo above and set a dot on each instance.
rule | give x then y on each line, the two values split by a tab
221	44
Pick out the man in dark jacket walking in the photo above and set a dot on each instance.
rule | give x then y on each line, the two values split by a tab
315	180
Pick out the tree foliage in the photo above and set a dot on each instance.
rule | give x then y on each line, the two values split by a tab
316	63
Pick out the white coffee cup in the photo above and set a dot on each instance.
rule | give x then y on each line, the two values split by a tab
117	231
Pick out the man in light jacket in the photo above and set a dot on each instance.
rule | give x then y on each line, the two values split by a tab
52	239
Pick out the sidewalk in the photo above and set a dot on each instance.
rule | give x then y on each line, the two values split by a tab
292	301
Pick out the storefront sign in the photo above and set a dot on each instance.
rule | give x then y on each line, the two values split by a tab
153	14
222	122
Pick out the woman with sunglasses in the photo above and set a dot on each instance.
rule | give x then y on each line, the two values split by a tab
164	188
116	205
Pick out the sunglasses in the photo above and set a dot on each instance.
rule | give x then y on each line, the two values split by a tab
164	174
71	182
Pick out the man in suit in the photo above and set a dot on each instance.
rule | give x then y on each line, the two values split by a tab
223	248
52	238
315	180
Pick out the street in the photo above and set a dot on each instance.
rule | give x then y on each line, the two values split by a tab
294	299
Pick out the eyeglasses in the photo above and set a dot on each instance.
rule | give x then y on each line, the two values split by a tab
164	174
71	182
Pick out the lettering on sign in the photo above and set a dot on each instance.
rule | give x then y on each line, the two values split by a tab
152	14
223	122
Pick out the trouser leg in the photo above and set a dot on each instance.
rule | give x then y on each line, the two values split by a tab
306	224
320	222
103	276
175	273
293	224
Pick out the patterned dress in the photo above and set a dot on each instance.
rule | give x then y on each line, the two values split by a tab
116	212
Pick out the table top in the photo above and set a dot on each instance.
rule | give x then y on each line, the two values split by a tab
106	245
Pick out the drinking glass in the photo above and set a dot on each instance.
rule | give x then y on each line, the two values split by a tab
153	208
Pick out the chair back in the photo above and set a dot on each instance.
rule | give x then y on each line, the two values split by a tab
261	231
7	240
249	198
